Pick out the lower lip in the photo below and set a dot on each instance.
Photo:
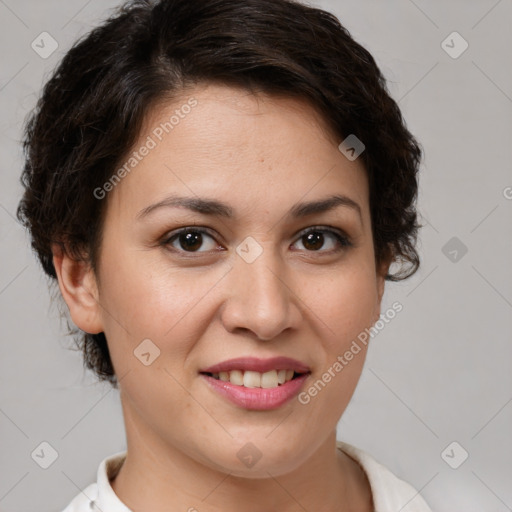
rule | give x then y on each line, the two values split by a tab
258	399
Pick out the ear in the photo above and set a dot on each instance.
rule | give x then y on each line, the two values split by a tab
79	289
381	272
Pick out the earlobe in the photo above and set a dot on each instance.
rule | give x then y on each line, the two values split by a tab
77	284
382	271
381	284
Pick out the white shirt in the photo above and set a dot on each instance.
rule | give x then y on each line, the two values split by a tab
390	494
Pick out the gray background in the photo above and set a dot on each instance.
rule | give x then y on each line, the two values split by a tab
440	372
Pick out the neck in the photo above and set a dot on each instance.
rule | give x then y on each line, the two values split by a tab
156	476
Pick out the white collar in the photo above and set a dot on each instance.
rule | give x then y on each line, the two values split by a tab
105	499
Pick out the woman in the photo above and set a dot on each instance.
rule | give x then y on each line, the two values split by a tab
219	189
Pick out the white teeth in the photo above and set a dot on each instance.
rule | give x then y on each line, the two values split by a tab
281	376
250	379
269	379
236	377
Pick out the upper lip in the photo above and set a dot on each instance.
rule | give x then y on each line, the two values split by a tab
258	365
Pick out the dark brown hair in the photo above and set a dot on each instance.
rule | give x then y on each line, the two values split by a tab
93	106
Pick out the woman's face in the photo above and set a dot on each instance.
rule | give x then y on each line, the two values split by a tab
259	275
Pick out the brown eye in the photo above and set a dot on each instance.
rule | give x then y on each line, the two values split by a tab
190	240
315	239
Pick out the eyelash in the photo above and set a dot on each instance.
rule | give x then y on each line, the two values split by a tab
343	240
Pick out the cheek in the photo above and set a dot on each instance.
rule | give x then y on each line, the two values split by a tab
346	306
147	299
142	300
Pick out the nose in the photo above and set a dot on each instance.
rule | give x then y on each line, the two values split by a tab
261	297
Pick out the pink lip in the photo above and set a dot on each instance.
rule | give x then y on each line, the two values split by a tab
258	365
258	399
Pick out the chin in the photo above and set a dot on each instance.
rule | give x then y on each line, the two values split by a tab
258	459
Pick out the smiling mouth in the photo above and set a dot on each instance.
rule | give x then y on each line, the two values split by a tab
251	379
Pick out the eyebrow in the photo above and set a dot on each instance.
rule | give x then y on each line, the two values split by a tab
216	208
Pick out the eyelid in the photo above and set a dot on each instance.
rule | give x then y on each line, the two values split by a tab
344	240
325	228
166	240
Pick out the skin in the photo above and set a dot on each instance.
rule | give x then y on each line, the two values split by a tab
306	300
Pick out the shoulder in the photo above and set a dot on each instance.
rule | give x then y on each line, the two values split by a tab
389	492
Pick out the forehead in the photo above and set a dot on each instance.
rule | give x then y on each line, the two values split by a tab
220	141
